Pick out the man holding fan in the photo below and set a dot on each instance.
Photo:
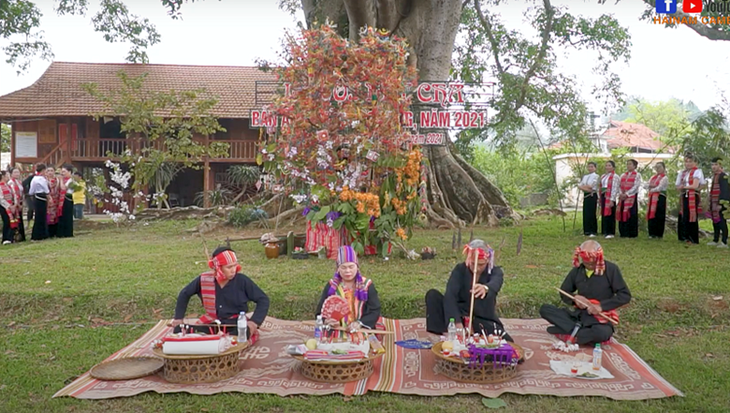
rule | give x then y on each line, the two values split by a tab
468	296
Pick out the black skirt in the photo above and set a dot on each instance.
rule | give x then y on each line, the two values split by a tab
66	220
40	225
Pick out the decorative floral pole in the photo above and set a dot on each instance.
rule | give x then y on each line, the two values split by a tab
341	144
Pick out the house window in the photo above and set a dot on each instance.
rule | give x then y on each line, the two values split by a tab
110	128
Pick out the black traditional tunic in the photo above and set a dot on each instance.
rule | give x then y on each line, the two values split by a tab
457	299
229	300
609	289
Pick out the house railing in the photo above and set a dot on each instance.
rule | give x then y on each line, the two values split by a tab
97	149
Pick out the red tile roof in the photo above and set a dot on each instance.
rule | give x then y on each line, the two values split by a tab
58	92
632	135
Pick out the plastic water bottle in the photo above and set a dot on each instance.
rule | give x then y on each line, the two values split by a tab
597	355
242	327
452	331
318	328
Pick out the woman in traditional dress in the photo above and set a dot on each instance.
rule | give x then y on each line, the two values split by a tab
7	209
17	187
656	211
66	219
38	191
56	191
358	291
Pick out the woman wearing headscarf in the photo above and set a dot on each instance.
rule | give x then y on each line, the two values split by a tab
358	291
225	293
455	303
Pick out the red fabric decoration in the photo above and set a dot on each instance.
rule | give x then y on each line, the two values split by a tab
654	196
224	258
690	194
611	314
335	307
609	193
624	206
592	256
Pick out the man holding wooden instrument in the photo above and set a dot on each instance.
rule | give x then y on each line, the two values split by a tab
600	291
471	292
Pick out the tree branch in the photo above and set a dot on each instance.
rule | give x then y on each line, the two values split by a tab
361	13
546	30
488	29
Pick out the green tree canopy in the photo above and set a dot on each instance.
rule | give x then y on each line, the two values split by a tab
4	137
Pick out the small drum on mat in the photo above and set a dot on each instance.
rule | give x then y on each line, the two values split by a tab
488	372
337	372
209	368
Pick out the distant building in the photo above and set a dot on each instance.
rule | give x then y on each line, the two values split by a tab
642	142
51	119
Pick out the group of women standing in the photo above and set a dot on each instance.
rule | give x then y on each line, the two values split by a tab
51	200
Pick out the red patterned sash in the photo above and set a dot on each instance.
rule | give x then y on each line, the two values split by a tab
715	198
627	182
207	291
690	195
653	196
609	192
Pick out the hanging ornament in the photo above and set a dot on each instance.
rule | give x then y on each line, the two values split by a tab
372	155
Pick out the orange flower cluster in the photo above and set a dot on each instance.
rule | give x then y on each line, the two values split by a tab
365	201
400	232
412	169
400	206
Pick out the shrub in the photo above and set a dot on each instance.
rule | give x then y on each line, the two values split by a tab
244	215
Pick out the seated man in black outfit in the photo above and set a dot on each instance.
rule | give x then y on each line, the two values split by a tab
225	292
440	308
600	288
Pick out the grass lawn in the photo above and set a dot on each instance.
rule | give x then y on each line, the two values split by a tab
60	296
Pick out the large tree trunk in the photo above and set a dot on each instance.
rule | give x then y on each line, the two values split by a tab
458	193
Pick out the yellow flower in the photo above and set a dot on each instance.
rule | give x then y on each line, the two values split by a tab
360	207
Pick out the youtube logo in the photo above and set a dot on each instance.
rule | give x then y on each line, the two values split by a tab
692	6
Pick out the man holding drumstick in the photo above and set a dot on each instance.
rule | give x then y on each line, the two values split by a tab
600	290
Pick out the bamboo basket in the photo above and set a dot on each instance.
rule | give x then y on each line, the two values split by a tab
457	370
201	368
337	372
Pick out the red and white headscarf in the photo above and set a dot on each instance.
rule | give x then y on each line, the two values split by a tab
484	252
226	257
590	256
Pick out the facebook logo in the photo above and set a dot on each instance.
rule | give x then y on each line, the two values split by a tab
666	6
